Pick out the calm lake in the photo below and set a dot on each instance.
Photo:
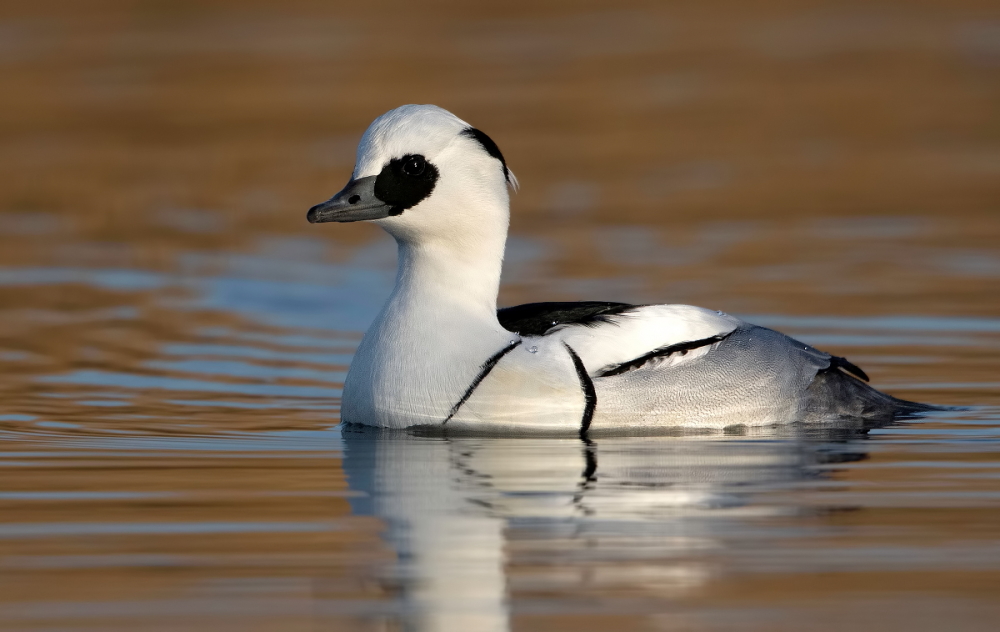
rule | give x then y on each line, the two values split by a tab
174	336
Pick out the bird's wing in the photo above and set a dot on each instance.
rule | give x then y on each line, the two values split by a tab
542	382
616	342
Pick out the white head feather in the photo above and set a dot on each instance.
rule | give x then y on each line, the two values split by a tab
470	201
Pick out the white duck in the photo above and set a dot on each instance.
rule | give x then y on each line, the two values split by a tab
439	354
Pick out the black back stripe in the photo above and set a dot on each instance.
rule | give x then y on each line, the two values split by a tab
662	351
483	372
534	319
589	393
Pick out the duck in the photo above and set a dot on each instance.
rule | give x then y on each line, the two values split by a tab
441	356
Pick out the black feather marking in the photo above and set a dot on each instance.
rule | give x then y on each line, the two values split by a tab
682	347
405	182
590	460
490	147
589	393
837	362
483	372
534	319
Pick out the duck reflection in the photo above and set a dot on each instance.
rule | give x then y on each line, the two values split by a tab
456	506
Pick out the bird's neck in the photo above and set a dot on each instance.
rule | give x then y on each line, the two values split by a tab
442	310
440	278
431	338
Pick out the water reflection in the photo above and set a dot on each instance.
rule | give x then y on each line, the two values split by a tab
455	506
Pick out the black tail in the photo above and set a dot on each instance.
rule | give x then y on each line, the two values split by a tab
835	394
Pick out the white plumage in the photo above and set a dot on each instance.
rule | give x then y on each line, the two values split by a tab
437	355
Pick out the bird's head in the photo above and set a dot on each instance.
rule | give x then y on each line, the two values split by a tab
424	174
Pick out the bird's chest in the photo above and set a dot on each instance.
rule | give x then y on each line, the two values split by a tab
412	371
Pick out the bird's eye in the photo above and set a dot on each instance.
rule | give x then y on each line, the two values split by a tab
405	181
414	166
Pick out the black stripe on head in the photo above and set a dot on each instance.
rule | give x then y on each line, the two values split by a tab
490	147
405	182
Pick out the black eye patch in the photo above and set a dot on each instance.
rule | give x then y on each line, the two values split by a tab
405	182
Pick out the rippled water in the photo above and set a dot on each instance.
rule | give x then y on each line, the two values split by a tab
173	461
174	336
